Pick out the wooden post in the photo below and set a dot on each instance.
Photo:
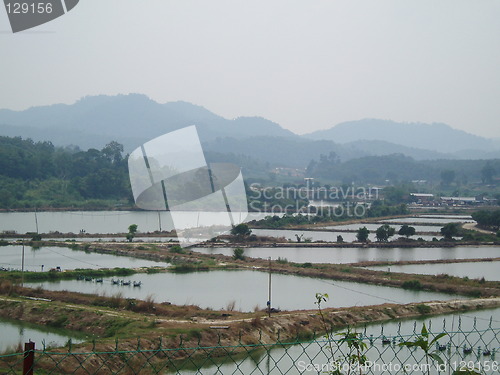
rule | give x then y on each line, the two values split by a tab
29	358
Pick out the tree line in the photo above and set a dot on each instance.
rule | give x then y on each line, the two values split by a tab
38	174
398	168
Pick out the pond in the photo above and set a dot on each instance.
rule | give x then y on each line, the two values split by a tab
473	270
47	257
430	220
107	222
344	255
470	329
245	289
15	333
443	216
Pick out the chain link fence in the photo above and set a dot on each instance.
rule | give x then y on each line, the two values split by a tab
471	351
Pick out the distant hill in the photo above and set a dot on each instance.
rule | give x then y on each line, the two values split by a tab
380	148
129	119
133	119
436	137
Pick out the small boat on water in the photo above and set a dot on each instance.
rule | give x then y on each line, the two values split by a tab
125	282
98	280
115	282
137	283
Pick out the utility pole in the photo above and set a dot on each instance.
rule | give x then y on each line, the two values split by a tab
22	268
159	220
269	294
36	221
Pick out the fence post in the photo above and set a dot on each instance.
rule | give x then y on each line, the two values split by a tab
29	358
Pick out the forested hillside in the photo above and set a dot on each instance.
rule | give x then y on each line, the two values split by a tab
35	174
38	174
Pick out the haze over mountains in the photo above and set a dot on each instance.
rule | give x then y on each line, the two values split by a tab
134	119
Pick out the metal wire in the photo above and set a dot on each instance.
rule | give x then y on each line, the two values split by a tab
473	348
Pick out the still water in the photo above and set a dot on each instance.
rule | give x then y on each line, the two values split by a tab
355	255
15	332
247	289
472	329
47	257
430	220
100	221
473	270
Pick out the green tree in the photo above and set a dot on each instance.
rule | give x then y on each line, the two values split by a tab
488	219
241	230
132	230
407	231
449	231
362	234
238	254
384	232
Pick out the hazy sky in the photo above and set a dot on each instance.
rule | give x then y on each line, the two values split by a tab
306	64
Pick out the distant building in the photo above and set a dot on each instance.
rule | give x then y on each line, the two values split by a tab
422	198
461	201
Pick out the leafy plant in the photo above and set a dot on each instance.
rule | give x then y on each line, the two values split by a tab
353	340
132	229
424	342
238	254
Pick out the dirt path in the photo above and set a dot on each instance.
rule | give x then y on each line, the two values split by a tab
473	226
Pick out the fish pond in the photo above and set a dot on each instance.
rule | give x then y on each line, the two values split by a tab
243	290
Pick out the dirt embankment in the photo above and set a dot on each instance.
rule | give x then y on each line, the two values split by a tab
205	328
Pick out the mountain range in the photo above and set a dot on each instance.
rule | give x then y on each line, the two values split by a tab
133	119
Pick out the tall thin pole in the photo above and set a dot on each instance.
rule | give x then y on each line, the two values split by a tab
159	220
269	295
22	268
36	221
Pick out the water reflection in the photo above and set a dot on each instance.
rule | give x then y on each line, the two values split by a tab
15	333
356	255
245	289
48	257
473	270
470	329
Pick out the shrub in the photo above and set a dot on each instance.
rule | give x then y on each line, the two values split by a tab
176	249
412	284
238	254
423	309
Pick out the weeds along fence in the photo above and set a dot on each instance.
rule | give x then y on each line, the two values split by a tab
455	351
